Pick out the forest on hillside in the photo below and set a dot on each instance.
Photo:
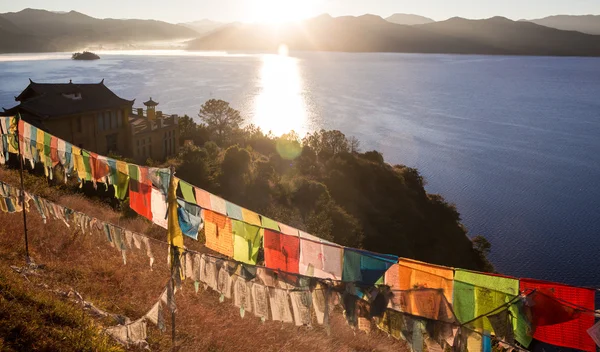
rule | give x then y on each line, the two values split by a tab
324	184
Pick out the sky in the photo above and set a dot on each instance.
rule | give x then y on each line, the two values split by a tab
176	11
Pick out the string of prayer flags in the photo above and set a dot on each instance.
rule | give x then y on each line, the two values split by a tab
250	217
365	267
288	230
140	198
280	305
414	274
218	233
175	235
234	211
282	252
269	224
319	259
301	305
160	178
478	295
190	219
202	198
218	204
545	313
187	191
247	240
224	281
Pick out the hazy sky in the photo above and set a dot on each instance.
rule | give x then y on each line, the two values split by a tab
252	10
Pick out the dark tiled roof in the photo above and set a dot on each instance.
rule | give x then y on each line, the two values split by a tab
48	100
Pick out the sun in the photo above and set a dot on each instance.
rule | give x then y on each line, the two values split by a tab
280	11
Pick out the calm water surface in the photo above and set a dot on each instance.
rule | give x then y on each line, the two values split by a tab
514	142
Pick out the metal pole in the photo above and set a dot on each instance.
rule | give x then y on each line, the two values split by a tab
22	197
174	252
172	298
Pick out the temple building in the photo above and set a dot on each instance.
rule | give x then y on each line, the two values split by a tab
154	135
92	117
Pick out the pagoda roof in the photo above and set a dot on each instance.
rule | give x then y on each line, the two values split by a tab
48	100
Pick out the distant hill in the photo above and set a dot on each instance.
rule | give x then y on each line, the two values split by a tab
12	39
32	30
586	24
203	26
408	19
371	33
523	38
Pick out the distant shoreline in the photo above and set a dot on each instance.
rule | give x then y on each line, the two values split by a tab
65	55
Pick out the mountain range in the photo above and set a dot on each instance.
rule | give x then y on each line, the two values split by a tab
32	30
369	33
408	19
203	26
586	24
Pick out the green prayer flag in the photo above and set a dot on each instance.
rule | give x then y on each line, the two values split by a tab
47	141
268	223
477	295
86	163
121	185
247	239
134	172
187	191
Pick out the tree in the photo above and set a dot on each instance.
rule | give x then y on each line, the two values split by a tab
220	119
354	145
482	245
190	131
235	172
327	143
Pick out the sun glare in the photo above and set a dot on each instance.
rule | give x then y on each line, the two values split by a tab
281	11
280	106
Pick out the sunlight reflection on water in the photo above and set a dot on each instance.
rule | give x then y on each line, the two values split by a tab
280	106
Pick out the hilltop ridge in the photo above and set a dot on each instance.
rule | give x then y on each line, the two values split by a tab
370	33
33	30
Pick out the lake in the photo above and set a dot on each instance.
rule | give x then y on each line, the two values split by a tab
514	142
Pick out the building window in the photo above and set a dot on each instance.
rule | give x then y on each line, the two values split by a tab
150	150
100	122
113	120
111	142
107	120
138	142
119	118
144	150
78	124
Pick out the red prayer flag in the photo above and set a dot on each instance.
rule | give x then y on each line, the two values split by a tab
572	333
282	252
54	151
100	167
140	198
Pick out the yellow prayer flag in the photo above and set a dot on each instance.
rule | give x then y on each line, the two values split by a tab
122	167
77	162
12	135
251	217
174	231
40	145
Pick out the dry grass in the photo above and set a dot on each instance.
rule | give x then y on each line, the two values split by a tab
88	264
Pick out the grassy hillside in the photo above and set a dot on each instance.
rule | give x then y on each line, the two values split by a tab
87	264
